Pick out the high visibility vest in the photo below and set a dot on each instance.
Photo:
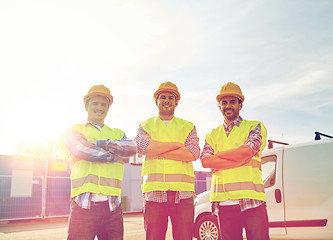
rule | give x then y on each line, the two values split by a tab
96	177
243	182
165	174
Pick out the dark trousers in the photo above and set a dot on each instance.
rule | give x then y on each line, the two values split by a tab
181	215
85	224
254	220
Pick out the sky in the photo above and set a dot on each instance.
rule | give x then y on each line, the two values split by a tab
51	52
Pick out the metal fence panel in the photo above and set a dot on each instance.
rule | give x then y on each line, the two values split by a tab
58	192
20	207
40	188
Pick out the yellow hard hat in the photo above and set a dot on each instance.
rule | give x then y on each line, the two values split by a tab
230	89
99	90
167	87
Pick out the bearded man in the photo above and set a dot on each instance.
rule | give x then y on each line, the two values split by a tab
170	145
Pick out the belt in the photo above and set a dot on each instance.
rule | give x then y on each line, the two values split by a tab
96	204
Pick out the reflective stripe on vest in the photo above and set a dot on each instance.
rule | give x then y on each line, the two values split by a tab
103	181
160	177
237	187
244	182
164	174
96	177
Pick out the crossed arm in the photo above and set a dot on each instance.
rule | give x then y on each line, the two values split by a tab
79	147
187	152
169	150
228	159
235	157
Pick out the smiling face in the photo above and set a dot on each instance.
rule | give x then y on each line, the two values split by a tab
97	108
230	108
166	103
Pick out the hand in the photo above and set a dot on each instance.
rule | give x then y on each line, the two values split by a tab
114	147
214	170
158	157
122	160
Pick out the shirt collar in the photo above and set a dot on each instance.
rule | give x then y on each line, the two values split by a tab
236	122
99	128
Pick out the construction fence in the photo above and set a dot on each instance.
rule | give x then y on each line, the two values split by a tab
32	187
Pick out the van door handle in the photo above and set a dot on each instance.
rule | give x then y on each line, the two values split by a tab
278	196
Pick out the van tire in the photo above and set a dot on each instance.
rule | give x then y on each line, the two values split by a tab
206	228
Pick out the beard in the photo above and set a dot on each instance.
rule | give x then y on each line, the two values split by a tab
167	112
231	116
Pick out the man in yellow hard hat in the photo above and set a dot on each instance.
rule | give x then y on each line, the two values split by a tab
233	152
170	145
96	153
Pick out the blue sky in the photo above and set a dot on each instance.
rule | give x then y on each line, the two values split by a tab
52	52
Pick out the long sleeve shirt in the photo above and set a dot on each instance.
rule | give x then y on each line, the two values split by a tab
254	141
191	142
77	145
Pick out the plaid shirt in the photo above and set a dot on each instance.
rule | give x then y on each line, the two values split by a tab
77	145
192	143
254	142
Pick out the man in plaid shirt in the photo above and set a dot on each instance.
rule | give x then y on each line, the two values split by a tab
233	151
96	153
170	145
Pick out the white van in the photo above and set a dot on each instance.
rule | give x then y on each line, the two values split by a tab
298	182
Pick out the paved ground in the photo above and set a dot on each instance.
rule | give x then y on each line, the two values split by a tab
55	229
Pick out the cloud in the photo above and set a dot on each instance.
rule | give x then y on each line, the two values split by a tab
311	80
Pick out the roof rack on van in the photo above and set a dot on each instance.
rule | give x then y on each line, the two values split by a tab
318	134
270	143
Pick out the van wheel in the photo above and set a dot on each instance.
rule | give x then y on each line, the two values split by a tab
207	228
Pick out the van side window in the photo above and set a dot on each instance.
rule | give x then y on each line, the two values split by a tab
268	166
